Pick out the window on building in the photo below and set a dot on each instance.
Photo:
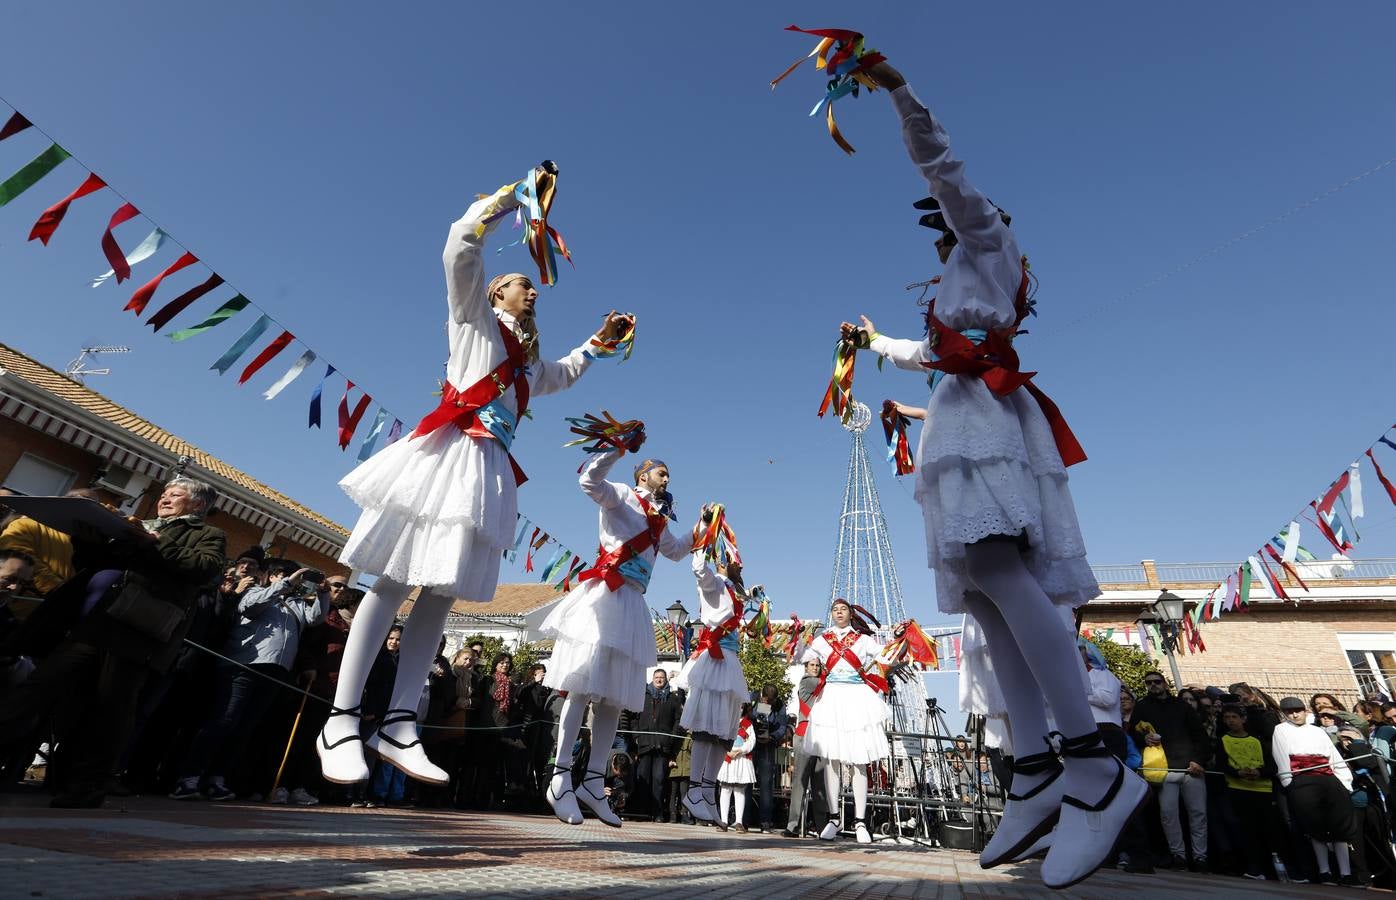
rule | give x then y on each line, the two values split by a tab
39	478
1372	658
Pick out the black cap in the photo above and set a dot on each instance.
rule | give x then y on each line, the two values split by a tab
254	553
1291	703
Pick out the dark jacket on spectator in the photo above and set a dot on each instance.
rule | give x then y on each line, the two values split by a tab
1184	738
660	713
378	690
321	652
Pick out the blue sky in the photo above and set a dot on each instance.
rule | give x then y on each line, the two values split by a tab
314	156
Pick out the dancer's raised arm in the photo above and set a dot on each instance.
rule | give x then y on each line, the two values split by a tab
465	270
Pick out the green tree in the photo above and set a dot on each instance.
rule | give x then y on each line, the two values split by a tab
762	666
526	655
1128	663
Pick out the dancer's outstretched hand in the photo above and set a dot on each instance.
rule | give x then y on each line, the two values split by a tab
614	325
860	335
886	76
911	412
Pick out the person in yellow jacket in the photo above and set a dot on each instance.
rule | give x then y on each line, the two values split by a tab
51	550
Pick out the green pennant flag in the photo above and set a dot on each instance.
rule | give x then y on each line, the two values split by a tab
1245	597
26	177
220	315
1108	635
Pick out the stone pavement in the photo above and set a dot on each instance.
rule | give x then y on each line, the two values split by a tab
156	848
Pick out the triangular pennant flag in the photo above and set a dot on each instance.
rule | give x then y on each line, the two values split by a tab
267	355
249	337
548	570
124	213
145	250
143	293
1334	489
315	398
1355	491
51	218
15	125
528	557
394	433
349	422
1381	476
183	302
371	438
1243	594
220	315
35	169
291	375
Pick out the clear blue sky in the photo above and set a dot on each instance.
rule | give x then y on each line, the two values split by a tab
314	155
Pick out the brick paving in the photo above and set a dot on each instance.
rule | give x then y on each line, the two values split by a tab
156	848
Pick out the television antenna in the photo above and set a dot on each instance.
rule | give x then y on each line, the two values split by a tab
78	370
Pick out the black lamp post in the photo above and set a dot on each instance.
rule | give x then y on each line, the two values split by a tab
1167	613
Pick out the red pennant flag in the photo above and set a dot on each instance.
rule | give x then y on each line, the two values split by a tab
1390	488
1327	531
115	257
52	217
528	557
143	293
182	302
1326	504
267	356
15	125
348	421
1280	561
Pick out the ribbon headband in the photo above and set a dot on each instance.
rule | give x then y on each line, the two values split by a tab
648	466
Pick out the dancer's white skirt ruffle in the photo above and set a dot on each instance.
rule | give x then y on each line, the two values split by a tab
848	723
716	691
603	644
988	465
737	771
437	512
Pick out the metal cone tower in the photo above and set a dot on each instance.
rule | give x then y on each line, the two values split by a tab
864	571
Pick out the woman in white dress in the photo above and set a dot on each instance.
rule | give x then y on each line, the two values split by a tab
1001	529
847	718
440	506
737	772
714	681
603	637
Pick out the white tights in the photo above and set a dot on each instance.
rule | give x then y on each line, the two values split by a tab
729	794
706	761
1340	850
832	770
605	718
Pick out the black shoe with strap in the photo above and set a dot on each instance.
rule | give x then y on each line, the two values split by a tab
1088	832
1007	842
397	717
356	712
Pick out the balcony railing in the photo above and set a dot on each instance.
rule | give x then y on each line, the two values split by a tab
1317	570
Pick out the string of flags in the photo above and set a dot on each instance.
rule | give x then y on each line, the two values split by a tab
543	241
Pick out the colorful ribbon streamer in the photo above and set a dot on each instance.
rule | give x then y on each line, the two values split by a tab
894	426
839	395
349	421
51	218
535	194
34	170
366	450
847	60
145	250
718	542
291	375
111	248
604	432
623	345
142	296
315	399
219	316
249	337
268	353
183	302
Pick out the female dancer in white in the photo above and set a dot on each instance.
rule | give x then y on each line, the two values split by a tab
714	680
847	717
1001	529
440	506
603	636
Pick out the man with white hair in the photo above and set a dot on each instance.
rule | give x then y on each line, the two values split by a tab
114	625
441	506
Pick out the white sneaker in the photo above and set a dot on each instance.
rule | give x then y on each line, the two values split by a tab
1087	832
860	831
407	755
831	831
302	797
279	796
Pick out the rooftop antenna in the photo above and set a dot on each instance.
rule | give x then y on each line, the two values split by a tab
77	369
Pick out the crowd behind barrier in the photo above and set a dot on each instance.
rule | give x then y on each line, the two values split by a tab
233	702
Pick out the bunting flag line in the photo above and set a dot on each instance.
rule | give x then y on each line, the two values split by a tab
16	123
366	450
267	355
1381	476
144	250
315	398
239	347
34	170
51	218
842	53
111	249
553	564
142	296
349	421
839	395
291	375
894	426
218	317
183	302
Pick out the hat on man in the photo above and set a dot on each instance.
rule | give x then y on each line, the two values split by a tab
1289	704
254	553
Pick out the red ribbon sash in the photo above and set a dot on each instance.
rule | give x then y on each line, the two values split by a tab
996	363
709	638
743	729
460	408
842	649
608	564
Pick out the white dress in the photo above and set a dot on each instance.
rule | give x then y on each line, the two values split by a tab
986	465
716	688
604	641
848	720
736	766
438	510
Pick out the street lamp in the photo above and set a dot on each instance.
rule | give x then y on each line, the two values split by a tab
678	613
1167	613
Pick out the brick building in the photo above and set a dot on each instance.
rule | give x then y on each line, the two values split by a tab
1338	636
57	434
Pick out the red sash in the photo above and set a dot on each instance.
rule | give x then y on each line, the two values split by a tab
708	639
607	566
743	729
842	649
460	408
996	363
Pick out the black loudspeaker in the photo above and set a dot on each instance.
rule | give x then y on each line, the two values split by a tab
955	835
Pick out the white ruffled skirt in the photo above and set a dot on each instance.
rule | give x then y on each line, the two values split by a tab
603	644
738	770
716	691
437	512
988	465
848	723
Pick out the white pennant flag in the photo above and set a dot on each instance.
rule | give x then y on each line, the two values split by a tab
1291	551
144	251
292	373
1355	491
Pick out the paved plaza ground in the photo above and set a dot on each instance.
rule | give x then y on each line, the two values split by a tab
157	848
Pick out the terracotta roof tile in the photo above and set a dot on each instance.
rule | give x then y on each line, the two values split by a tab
508	600
90	401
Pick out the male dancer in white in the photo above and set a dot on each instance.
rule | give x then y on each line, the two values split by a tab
440	506
603	635
847	717
714	680
1001	529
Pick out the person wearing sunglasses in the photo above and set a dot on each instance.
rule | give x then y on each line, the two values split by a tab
1179	729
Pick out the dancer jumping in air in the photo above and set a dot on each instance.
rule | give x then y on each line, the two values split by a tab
603	635
1001	529
440	506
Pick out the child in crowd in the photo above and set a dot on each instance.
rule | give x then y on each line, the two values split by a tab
736	773
1249	770
1318	786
